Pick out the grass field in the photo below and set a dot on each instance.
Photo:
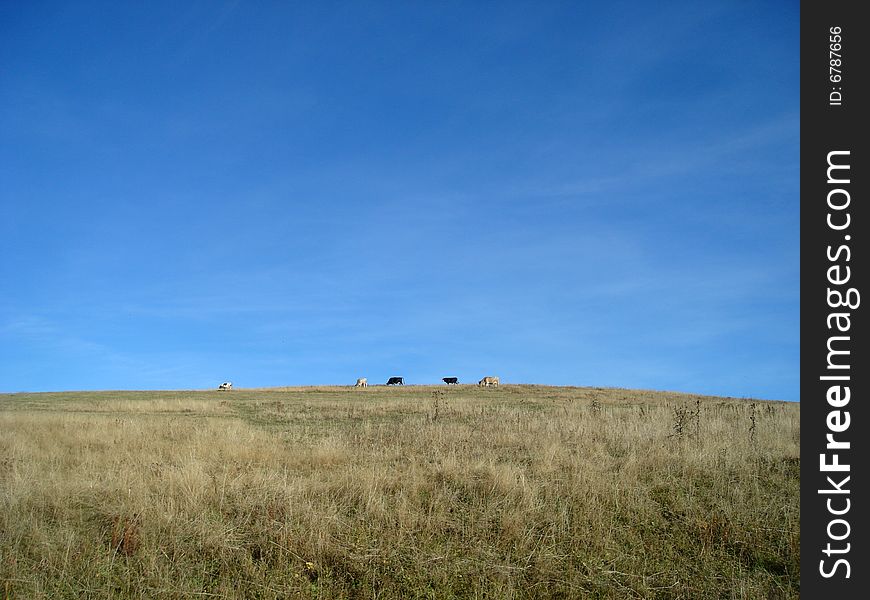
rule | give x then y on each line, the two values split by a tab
406	492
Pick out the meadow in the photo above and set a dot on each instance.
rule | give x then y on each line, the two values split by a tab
518	491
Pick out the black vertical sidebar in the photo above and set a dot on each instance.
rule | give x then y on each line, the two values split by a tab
835	373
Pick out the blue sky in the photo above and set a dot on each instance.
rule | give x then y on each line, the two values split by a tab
307	193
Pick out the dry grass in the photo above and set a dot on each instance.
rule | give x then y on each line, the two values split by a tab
415	492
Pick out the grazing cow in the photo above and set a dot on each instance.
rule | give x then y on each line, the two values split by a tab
362	382
487	381
451	380
226	385
396	381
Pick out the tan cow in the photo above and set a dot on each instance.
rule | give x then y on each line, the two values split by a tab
362	382
487	381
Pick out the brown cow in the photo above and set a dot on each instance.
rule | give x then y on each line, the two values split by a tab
487	381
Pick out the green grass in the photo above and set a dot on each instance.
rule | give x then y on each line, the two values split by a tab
400	492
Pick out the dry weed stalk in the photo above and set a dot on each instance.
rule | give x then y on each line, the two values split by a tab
126	534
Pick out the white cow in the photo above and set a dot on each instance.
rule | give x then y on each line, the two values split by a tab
487	381
362	382
226	385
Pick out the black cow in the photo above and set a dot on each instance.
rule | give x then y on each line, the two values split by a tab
451	380
396	381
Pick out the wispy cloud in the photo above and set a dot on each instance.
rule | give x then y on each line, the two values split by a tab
84	361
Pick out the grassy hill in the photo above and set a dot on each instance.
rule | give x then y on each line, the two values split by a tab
403	492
